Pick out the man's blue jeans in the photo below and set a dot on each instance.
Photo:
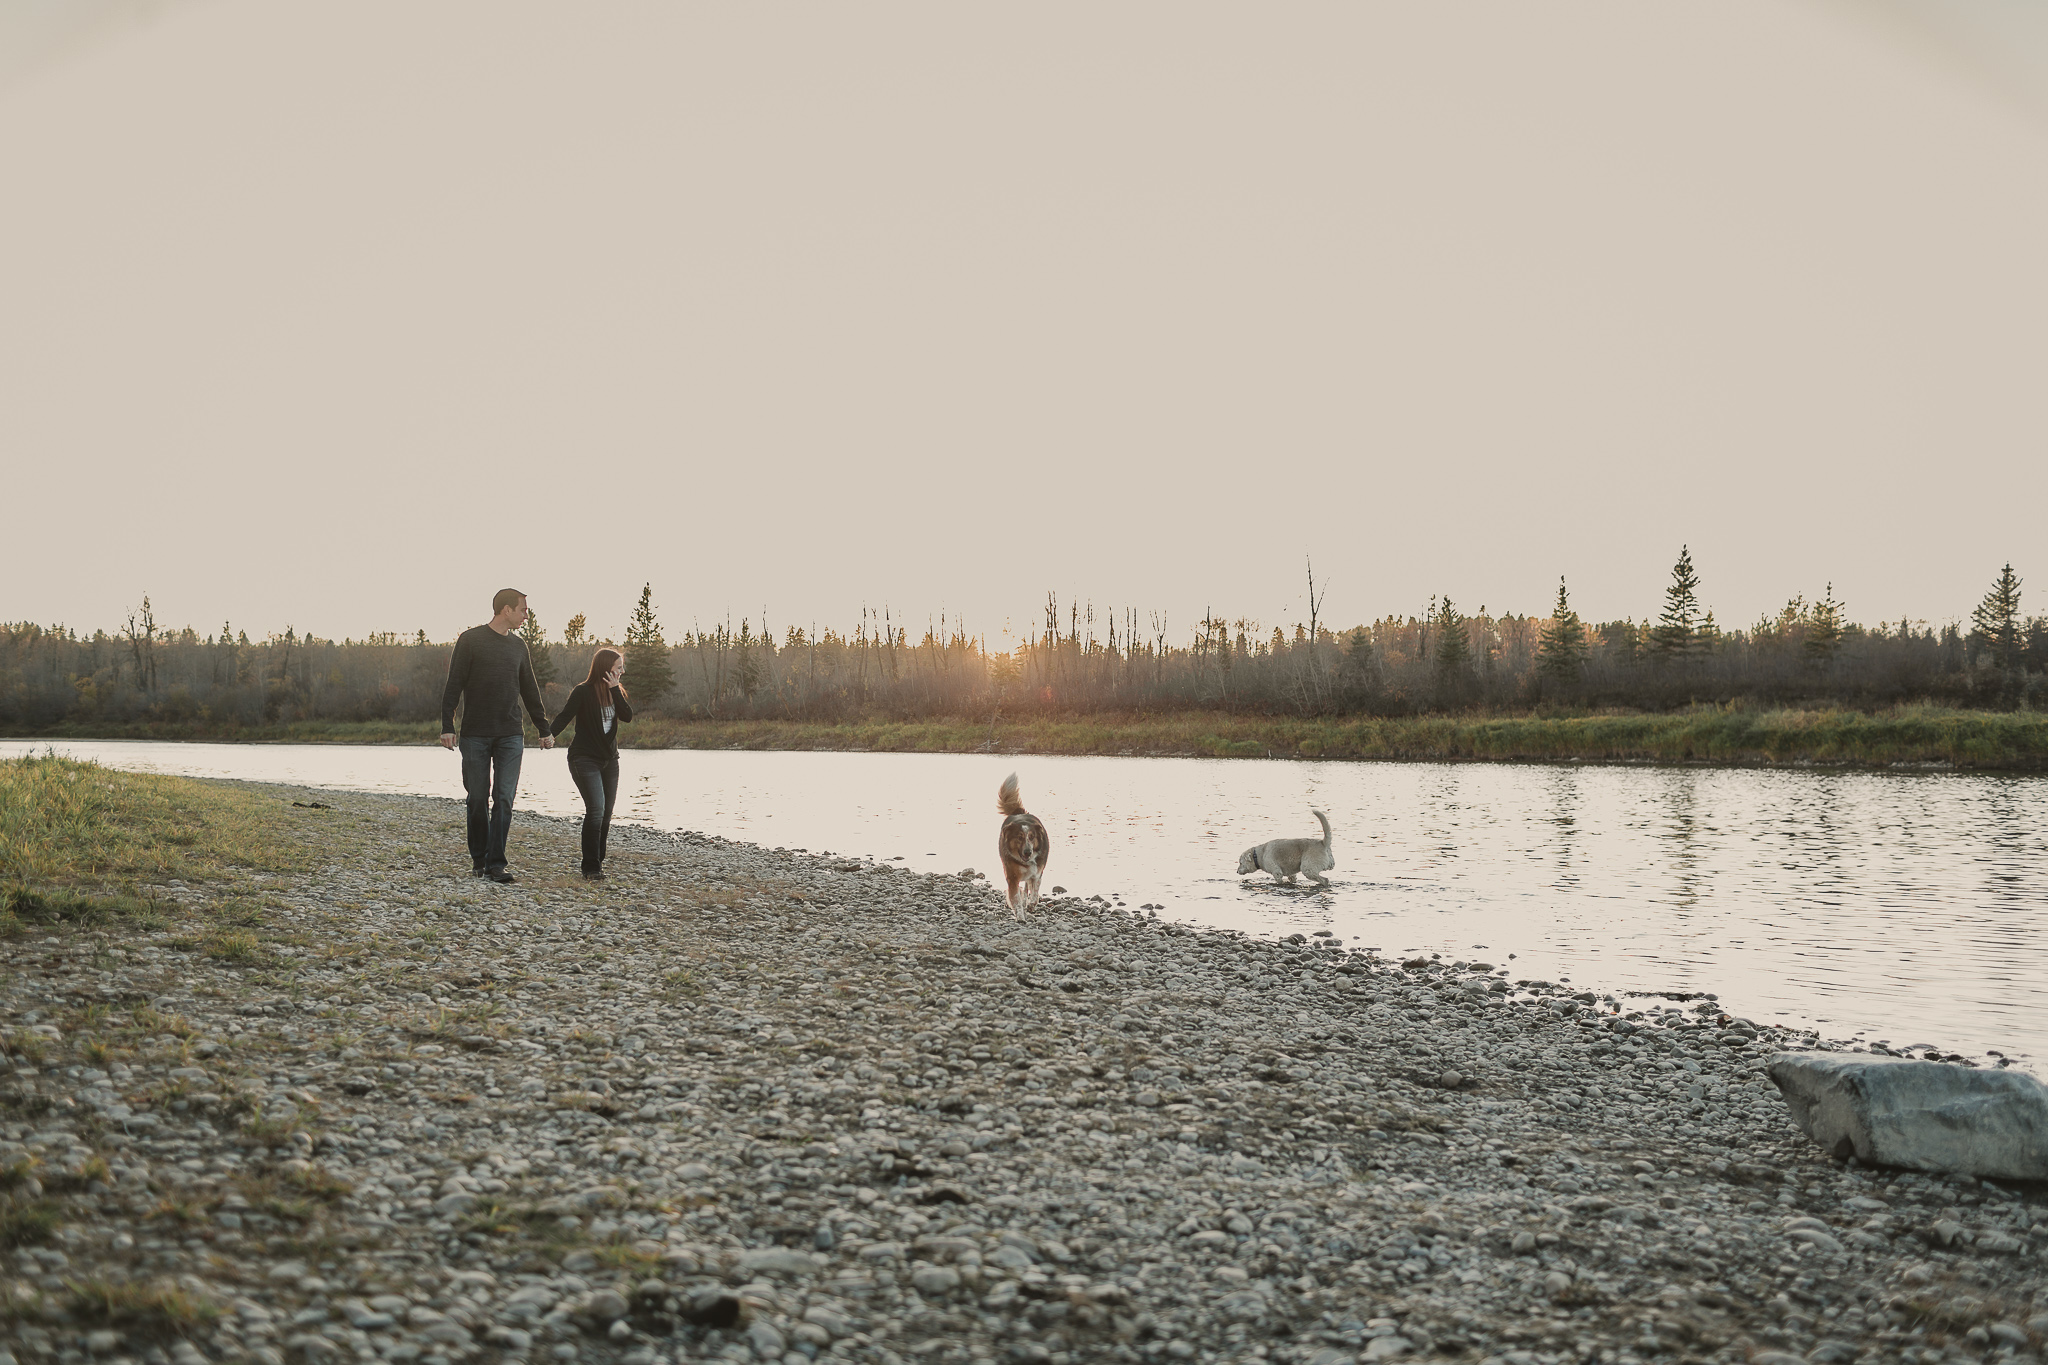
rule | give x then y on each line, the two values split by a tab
490	795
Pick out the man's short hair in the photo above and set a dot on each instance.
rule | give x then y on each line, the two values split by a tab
507	597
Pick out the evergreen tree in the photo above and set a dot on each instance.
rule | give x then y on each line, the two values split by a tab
230	670
573	634
537	649
1676	635
1995	624
746	669
1621	641
1824	628
1561	649
647	663
1453	649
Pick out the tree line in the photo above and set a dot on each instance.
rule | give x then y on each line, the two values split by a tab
1076	659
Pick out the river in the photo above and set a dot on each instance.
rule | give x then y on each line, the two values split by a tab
1900	908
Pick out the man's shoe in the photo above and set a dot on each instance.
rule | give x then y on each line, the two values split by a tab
501	877
476	872
593	876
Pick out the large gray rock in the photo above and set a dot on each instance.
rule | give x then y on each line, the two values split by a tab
1923	1116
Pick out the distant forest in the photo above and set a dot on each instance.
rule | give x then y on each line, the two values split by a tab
1079	660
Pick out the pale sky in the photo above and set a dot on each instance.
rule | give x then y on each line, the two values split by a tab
345	315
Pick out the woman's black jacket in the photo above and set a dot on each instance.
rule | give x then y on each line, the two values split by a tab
582	707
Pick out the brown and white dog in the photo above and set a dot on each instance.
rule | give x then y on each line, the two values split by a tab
1021	843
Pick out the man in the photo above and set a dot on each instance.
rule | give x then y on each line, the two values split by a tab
492	669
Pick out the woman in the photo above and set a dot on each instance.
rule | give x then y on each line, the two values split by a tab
597	705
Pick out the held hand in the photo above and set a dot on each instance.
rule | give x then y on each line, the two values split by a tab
447	741
547	741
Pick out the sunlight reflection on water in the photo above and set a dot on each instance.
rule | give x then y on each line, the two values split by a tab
1909	907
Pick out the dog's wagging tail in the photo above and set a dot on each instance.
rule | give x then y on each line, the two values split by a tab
1021	844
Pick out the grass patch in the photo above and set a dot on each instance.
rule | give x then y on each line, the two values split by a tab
65	1182
240	911
316	1182
1737	733
499	1218
155	1309
1733	734
26	1222
25	1045
624	1256
232	946
21	907
64	823
185	1212
153	1021
262	1132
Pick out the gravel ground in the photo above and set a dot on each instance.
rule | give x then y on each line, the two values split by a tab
782	1105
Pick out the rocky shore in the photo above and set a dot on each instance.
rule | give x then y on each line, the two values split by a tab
750	1104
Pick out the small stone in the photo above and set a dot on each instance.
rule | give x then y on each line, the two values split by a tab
1524	1242
606	1305
102	1341
1386	1348
1451	1080
778	1261
767	1340
1011	1258
935	1280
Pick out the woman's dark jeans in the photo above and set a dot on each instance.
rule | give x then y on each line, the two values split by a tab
598	783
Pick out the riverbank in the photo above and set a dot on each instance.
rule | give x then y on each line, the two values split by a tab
324	1096
1916	736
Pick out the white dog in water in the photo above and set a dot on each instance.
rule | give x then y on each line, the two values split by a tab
1285	857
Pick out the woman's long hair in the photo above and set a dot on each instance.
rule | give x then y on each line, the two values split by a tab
601	664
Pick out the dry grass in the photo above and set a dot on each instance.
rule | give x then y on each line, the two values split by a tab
1734	734
26	1219
67	825
147	1309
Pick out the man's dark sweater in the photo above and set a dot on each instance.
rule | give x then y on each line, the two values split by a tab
496	673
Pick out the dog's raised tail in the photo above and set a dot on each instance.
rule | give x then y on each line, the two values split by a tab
1329	843
1007	799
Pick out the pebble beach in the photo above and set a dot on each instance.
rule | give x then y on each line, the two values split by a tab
785	1105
